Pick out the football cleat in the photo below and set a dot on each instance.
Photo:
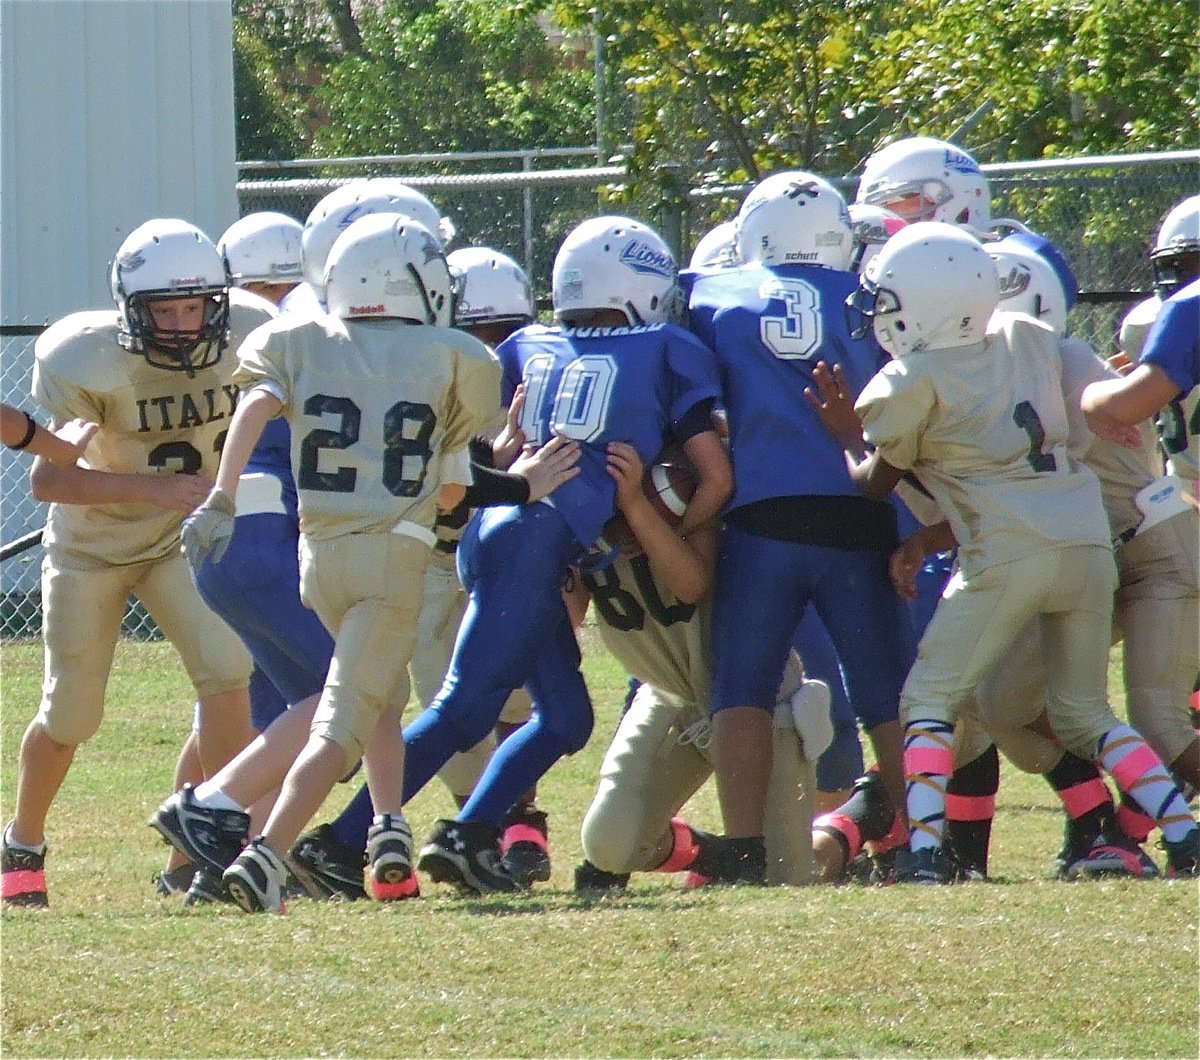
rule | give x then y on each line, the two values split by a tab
1183	856
207	888
1111	853
23	876
744	865
205	836
174	881
390	856
523	845
466	854
729	863
882	868
257	878
593	881
929	865
326	867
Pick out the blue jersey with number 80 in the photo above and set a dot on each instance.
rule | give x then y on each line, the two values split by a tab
601	385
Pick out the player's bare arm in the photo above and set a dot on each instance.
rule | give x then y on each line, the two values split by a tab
686	565
906	561
714	480
255	410
875	477
63	484
65	445
1113	405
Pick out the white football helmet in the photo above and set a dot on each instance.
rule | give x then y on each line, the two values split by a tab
931	287
794	218
716	248
343	206
871	227
416	204
262	247
923	179
169	258
616	263
1176	253
1034	278
489	288
388	265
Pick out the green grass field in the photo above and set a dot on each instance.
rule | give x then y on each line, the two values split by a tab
1022	966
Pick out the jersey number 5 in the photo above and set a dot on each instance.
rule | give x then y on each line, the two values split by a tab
407	428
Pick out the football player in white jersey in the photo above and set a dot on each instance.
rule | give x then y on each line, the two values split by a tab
654	608
493	298
262	255
1156	609
156	375
977	414
382	397
1176	261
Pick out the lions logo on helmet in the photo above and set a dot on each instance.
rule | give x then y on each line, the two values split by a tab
616	263
924	179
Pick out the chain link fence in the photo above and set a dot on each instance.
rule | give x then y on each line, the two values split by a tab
1103	213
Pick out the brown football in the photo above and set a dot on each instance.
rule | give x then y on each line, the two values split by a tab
669	488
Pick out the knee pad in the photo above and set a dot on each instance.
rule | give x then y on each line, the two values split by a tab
69	729
608	838
572	724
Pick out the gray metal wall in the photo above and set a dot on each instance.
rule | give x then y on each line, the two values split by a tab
110	113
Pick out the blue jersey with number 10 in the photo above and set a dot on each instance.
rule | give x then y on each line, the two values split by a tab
769	326
601	385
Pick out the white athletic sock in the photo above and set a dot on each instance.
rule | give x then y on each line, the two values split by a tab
211	797
10	842
928	763
1140	773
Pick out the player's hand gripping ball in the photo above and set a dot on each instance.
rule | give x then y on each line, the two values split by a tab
669	488
207	531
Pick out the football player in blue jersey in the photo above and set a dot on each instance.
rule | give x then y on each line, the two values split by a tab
615	369
1169	366
795	532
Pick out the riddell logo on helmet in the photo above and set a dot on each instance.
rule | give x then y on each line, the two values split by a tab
368	310
187	281
645	259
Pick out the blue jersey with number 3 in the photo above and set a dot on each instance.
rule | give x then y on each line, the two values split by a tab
601	385
769	327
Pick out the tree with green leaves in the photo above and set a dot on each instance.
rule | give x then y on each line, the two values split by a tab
736	89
